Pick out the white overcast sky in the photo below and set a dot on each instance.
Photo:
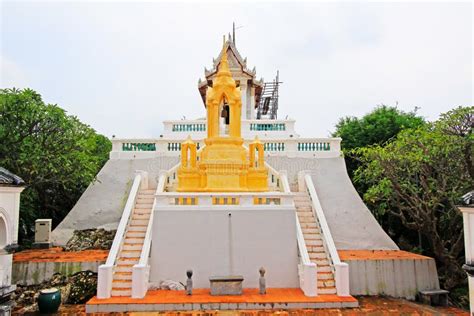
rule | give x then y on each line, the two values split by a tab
124	67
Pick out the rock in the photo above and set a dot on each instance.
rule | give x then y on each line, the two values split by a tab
90	239
75	289
171	285
83	287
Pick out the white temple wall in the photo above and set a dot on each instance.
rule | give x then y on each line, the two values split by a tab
211	243
9	213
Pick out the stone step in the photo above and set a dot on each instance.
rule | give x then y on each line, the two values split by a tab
327	290
147	198
127	261
323	269
121	292
133	234
321	262
309	236
120	275
124	268
303	204
318	248
147	192
325	275
310	230
302	201
140	216
139	222
317	255
142	211
134	240
132	247
308	225
306	219
304	213
130	253
137	228
313	242
326	283
122	284
146	206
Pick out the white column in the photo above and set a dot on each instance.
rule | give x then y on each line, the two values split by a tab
243	94
468	218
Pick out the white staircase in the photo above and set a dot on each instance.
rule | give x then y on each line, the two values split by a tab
315	244
132	244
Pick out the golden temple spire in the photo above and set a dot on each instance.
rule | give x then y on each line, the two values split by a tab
224	70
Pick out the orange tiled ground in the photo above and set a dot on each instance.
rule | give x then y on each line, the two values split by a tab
378	255
57	254
203	296
368	306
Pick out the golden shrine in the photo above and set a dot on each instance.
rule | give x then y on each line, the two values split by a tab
224	164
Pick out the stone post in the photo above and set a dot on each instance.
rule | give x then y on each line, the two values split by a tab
189	282
261	281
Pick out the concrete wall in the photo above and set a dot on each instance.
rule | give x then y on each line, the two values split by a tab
5	269
30	272
101	205
351	223
198	238
401	278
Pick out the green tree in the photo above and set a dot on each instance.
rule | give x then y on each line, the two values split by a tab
417	179
56	155
374	128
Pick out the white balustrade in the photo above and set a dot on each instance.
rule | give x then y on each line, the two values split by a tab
105	275
274	146
340	269
307	270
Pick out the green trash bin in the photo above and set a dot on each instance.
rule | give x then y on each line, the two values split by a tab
49	300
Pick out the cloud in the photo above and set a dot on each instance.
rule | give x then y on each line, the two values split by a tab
123	67
11	74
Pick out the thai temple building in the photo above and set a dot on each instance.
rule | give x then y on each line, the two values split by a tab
229	194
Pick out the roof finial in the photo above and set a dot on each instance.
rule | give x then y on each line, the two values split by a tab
224	65
233	32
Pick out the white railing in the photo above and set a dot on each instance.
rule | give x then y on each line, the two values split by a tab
105	275
276	146
171	178
274	179
141	270
285	185
340	269
254	199
307	270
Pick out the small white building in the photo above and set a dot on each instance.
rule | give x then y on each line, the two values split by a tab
11	187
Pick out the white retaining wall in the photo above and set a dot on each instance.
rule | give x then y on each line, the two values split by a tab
198	238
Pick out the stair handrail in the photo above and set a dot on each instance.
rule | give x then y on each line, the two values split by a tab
340	269
273	171
141	270
105	273
302	250
127	211
169	173
319	214
307	270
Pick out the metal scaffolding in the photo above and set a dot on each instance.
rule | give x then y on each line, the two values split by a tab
268	104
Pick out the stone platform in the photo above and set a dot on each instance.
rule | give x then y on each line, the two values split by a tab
275	299
395	273
38	265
